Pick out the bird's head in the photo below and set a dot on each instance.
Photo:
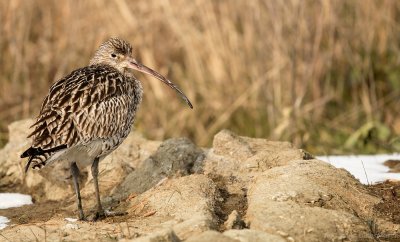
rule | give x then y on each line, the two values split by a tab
118	54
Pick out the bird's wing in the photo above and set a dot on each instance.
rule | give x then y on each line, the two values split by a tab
89	103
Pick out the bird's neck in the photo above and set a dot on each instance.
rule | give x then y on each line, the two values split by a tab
136	97
137	88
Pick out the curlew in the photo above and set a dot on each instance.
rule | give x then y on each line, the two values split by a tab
87	114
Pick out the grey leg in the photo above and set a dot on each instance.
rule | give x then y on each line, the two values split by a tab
95	173
75	176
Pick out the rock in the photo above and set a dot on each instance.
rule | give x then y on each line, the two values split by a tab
185	204
249	235
71	226
234	221
235	161
11	165
240	148
232	154
233	146
211	236
173	157
394	165
293	201
195	225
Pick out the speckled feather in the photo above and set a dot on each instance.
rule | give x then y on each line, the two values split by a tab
97	102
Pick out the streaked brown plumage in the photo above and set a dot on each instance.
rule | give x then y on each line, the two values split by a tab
87	114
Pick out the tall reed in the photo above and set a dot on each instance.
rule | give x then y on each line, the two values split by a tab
310	72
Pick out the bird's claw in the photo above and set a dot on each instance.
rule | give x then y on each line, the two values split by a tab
96	216
109	213
103	214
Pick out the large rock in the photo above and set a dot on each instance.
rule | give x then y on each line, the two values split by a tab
186	204
309	201
240	158
241	148
173	157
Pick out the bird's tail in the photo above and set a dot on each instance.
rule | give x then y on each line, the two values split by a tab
38	156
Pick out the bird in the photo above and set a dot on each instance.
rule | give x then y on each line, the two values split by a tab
88	113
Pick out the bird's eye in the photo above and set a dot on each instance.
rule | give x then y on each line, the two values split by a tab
113	55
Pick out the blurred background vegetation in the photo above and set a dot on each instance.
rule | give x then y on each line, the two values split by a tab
322	74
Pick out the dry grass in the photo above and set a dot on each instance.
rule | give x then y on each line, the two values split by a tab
306	71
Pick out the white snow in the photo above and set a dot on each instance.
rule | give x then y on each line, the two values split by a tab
71	220
11	200
3	222
373	164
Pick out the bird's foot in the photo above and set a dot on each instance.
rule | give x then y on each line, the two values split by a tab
101	214
81	216
96	216
109	213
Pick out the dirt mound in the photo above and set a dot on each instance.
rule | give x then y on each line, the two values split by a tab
241	189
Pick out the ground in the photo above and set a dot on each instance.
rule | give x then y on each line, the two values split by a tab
240	189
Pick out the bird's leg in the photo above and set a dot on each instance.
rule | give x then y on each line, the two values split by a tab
95	173
75	177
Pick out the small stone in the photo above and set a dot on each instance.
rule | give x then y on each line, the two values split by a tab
234	221
281	233
23	219
71	226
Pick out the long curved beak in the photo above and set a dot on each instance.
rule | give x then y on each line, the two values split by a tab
133	64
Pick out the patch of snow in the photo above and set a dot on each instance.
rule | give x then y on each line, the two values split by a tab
375	171
72	220
12	200
3	222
